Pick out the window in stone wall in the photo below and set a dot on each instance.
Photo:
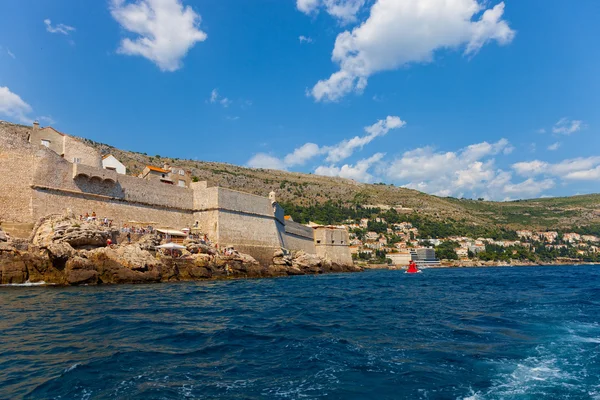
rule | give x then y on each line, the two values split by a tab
45	143
181	183
76	160
181	172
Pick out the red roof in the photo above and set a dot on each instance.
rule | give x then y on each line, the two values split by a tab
152	168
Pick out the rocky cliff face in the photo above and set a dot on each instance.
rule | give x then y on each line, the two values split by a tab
65	251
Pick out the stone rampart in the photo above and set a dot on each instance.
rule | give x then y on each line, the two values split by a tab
299	237
332	244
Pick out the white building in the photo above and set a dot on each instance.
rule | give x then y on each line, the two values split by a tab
110	162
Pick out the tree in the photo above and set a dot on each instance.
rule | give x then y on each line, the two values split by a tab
446	250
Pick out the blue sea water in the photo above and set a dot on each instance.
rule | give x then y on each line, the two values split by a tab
497	333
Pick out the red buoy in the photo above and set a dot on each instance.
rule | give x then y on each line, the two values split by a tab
412	268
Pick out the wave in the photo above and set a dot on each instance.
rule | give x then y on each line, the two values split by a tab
28	284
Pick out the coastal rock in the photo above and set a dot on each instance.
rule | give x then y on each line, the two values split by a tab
149	242
81	271
66	251
59	253
12	269
62	229
196	248
132	257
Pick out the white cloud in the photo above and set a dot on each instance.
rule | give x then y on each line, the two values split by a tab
358	172
343	10
302	154
262	160
346	148
60	28
216	98
582	168
10	54
304	39
541	130
566	126
335	153
530	168
470	170
46	119
528	188
167	30
398	33
308	6
574	168
592	174
12	106
554	146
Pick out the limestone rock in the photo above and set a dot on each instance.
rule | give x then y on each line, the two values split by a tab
149	242
79	234
130	256
82	277
3	237
60	252
196	248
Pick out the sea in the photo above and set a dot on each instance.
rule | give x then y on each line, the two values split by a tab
472	333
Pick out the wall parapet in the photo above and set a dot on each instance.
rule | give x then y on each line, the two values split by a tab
81	170
108	198
295	228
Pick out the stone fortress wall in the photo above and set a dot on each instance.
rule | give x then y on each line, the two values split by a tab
36	181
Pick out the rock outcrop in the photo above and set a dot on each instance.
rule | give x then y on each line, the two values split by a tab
65	229
65	251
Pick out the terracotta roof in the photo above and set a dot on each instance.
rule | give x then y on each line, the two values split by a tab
106	156
152	168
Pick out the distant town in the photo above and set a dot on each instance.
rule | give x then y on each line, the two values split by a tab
389	236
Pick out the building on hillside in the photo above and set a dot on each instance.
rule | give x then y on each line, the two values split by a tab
424	256
179	176
590	238
68	147
462	253
402	258
572	237
476	248
152	173
167	174
549	236
372	236
110	162
524	234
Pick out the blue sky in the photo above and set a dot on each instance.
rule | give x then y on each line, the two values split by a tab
476	99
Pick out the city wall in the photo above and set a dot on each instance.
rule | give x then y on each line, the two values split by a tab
36	182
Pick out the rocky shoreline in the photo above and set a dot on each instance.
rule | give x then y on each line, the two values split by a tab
63	250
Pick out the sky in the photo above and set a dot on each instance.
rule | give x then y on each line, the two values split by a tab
463	98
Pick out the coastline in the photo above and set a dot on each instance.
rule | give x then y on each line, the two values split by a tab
445	264
64	251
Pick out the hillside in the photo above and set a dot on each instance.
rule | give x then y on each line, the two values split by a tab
312	190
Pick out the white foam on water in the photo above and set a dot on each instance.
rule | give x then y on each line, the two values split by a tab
26	284
557	366
71	368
